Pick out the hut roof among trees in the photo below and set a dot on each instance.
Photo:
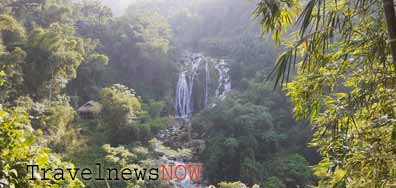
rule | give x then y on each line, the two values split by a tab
90	107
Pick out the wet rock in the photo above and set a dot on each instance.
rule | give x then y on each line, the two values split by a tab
179	135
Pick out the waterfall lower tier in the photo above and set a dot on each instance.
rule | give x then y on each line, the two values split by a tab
185	84
183	97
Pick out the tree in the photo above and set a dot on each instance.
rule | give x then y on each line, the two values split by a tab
390	15
344	83
18	149
12	33
274	182
124	118
244	138
39	61
39	54
120	111
137	45
54	122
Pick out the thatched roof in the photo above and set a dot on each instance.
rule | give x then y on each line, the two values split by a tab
90	106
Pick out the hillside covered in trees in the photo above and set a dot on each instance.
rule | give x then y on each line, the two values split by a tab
272	94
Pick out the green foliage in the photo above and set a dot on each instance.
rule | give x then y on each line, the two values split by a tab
38	12
345	86
54	120
154	108
152	31
11	59
51	48
233	185
293	169
137	46
274	182
138	157
124	120
39	61
220	28
39	54
18	149
297	168
54	55
9	24
119	103
120	108
99	58
244	138
169	152
277	15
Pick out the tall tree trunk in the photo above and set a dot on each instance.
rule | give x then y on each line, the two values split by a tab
390	16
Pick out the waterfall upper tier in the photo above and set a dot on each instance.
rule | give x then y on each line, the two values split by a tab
194	77
224	79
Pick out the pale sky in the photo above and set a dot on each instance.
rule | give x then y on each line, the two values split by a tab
118	6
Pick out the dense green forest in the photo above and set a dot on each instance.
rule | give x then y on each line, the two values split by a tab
273	94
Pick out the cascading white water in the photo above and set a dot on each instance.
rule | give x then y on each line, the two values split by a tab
195	63
224	79
182	96
184	93
186	182
207	80
185	85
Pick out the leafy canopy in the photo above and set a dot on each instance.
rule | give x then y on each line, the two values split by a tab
344	84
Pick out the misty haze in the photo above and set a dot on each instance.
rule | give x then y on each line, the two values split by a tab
197	93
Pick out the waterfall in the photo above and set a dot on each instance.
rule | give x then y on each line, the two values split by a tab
186	182
189	69
195	63
185	85
224	79
182	96
207	80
